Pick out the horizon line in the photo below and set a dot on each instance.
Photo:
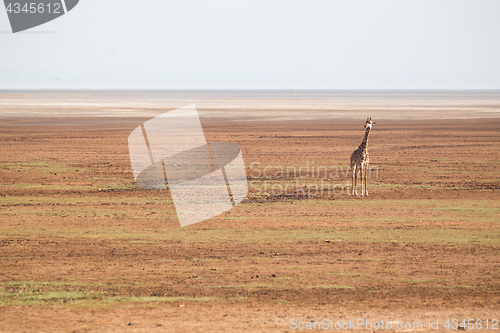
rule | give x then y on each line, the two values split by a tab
287	90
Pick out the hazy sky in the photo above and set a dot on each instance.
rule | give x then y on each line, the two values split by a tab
146	44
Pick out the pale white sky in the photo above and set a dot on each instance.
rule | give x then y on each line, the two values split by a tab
276	44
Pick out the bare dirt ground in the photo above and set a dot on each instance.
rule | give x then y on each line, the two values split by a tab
83	249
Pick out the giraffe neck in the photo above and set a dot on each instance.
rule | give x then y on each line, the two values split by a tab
364	144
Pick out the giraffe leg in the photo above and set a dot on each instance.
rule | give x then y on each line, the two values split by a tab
356	177
361	175
352	179
353	184
366	180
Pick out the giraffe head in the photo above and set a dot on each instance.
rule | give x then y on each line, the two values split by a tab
369	123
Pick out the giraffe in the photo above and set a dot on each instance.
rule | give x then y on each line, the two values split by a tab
360	160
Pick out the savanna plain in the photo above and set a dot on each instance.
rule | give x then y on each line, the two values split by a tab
82	248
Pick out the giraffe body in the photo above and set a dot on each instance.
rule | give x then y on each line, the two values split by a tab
360	161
